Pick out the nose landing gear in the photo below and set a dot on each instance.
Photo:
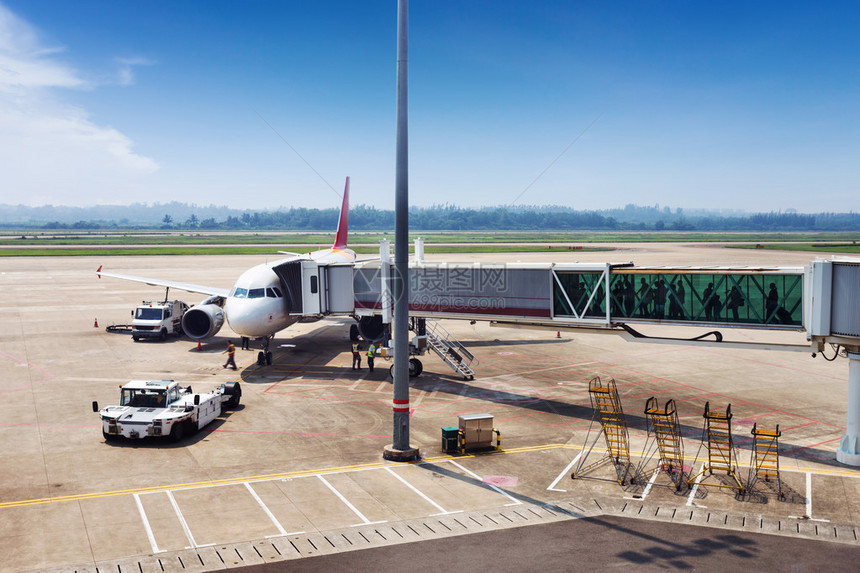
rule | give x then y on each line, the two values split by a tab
264	357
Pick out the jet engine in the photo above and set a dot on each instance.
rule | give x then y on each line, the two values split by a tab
371	328
203	321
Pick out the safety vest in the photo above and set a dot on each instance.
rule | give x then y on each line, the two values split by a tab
355	347
371	350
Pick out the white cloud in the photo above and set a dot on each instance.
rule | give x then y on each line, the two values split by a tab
53	151
126	69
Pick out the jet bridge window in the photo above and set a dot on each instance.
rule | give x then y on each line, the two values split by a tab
257	293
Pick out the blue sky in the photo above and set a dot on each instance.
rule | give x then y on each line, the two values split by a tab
734	105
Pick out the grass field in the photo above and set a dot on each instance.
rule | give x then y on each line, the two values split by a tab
27	243
19	238
258	250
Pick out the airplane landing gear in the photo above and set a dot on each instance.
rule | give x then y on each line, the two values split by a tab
264	357
415	368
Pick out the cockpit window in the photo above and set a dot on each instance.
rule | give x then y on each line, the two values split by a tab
240	293
277	292
257	293
271	293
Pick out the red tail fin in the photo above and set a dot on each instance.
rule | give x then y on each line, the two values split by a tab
343	223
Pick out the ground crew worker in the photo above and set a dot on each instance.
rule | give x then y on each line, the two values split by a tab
231	355
370	353
246	343
356	356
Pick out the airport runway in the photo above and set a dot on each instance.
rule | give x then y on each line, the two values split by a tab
296	472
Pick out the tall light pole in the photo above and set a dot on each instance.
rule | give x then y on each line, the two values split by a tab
400	450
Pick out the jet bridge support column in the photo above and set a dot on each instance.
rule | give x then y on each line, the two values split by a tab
849	448
400	450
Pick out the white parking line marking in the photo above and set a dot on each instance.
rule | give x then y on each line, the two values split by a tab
146	526
184	523
695	487
563	473
349	505
477	477
277	524
647	487
808	502
427	499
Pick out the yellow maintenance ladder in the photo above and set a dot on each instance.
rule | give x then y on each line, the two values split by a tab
764	462
606	407
717	437
664	428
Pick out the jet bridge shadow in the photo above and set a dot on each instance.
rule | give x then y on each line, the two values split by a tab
457	387
497	342
313	352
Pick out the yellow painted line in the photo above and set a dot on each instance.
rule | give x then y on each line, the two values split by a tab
356	467
239	480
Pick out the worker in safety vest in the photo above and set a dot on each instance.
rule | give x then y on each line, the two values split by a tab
356	356
370	353
231	355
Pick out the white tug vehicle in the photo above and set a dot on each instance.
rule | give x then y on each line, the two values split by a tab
151	408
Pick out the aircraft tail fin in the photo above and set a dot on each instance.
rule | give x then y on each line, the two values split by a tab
340	238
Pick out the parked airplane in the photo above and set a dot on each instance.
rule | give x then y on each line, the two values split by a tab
257	306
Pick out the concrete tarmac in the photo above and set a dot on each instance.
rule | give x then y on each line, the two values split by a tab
296	472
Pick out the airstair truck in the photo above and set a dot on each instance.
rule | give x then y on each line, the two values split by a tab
153	408
158	319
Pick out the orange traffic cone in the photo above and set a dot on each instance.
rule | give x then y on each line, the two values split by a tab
199	348
96	323
558	334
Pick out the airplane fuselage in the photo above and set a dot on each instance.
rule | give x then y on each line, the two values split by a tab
256	307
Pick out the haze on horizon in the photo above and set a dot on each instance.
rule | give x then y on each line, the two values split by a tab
749	106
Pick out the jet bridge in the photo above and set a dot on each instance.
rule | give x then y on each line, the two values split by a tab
594	295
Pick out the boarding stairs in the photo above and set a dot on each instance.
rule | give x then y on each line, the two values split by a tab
717	437
765	457
664	429
450	350
606	407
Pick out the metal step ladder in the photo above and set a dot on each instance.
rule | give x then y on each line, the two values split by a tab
664	428
450	350
606	407
764	461
717	437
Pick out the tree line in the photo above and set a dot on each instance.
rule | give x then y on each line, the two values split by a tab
176	216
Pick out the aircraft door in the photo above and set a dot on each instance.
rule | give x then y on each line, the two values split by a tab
312	288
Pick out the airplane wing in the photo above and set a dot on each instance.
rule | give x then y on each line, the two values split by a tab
211	291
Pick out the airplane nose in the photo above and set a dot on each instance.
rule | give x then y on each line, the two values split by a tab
251	318
238	317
